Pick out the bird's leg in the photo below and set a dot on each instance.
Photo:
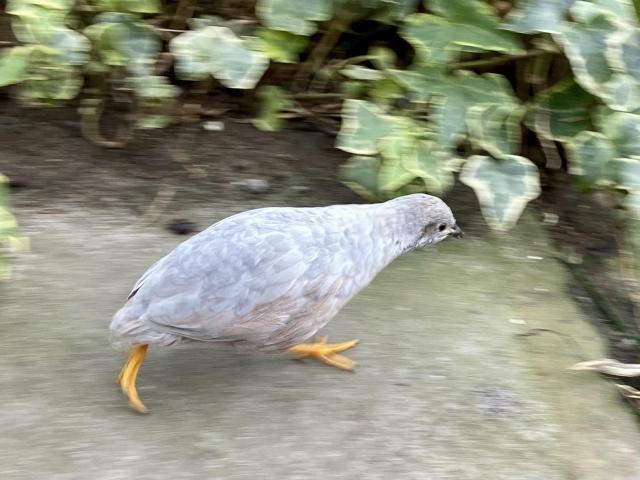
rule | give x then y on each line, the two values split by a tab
128	375
329	353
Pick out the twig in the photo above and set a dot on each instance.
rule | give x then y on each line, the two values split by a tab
90	127
158	205
318	84
323	47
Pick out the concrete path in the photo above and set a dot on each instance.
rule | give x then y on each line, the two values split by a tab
445	389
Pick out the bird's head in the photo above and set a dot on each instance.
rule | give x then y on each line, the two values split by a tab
434	218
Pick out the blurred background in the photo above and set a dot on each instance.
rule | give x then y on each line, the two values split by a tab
127	126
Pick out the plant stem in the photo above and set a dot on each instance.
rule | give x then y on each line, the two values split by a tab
502	59
317	57
184	11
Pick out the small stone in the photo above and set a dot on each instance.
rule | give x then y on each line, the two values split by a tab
255	185
181	226
213	126
550	219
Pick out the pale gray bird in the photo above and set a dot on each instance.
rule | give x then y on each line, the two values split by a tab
269	279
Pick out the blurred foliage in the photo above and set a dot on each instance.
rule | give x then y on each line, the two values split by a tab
453	86
10	238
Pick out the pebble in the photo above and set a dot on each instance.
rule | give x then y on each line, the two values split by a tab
213	126
181	226
255	185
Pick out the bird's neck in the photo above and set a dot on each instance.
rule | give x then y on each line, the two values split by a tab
399	227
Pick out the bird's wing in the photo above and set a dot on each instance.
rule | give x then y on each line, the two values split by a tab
254	269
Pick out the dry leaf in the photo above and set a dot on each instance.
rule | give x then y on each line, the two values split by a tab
610	367
629	392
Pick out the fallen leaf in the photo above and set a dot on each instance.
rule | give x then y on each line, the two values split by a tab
609	367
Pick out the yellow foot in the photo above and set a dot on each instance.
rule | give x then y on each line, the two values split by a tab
128	375
326	352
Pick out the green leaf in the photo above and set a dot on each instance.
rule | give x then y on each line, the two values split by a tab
495	128
10	236
623	52
393	175
503	187
585	46
629	177
537	16
13	65
34	23
363	125
58	83
451	97
360	174
431	165
562	111
590	154
594	46
72	48
156	98
295	16
219	52
154	87
132	6
273	100
282	46
624	130
464	25
122	41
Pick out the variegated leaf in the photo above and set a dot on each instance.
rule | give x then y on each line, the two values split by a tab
495	128
537	16
503	187
462	25
364	124
219	52
562	111
295	16
590	154
360	174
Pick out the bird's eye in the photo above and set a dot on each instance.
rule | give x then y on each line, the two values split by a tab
441	227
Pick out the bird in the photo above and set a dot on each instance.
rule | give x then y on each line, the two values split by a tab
268	279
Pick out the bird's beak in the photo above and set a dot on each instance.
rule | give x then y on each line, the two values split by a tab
457	232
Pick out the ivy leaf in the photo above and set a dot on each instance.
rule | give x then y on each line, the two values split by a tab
463	25
360	174
495	128
629	177
273	100
537	16
13	64
295	16
9	233
281	46
503	187
217	51
431	165
624	131
590	154
562	111
363	125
